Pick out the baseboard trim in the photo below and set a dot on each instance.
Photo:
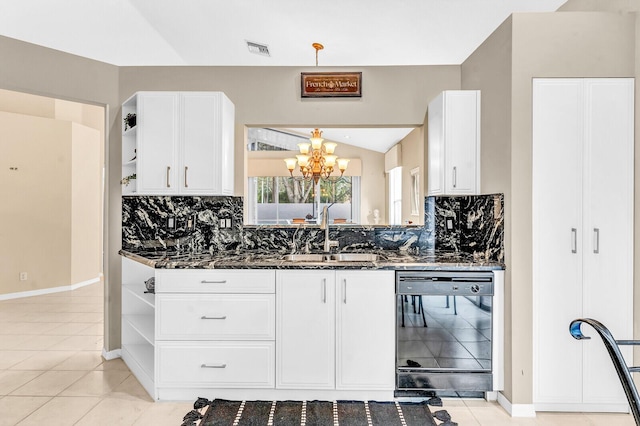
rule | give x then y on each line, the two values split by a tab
50	290
116	353
516	410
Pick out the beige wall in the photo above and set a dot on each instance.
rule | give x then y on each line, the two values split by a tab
50	176
413	156
36	208
568	44
86	203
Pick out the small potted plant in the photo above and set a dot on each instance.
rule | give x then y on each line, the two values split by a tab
127	179
130	121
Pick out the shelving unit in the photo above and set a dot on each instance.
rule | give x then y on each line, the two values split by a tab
129	147
138	323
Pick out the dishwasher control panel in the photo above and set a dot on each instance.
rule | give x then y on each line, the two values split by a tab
444	283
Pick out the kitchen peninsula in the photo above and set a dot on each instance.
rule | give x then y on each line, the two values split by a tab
235	316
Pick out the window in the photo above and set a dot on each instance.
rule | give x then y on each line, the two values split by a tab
395	196
285	200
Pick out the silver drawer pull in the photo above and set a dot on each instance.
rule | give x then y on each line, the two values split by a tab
213	282
213	366
216	318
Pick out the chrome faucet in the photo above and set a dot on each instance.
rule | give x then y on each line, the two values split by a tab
324	224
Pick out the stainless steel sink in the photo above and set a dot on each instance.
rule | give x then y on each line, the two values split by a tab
340	257
306	257
355	257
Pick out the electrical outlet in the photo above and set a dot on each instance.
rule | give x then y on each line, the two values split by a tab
171	222
23	276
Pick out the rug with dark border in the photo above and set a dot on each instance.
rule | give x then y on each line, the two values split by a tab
220	412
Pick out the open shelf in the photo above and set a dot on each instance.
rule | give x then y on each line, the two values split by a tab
138	291
143	324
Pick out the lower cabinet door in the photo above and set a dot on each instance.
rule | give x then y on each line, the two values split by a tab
215	364
305	329
365	330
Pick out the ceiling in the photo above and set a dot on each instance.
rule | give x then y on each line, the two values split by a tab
375	139
215	33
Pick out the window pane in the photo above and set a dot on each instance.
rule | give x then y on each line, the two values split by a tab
265	189
279	200
294	191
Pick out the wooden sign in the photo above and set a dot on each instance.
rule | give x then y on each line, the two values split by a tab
331	84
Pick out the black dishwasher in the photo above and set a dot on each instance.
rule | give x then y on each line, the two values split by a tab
444	331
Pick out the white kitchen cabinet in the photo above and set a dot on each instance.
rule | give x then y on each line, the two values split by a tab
341	323
305	324
454	143
365	332
202	329
182	144
582	238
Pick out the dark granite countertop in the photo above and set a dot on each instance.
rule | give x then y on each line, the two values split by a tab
388	259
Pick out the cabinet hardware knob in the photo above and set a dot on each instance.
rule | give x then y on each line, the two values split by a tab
186	185
574	240
213	318
596	240
213	282
168	174
213	366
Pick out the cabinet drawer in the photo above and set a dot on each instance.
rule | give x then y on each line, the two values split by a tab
215	317
216	364
215	281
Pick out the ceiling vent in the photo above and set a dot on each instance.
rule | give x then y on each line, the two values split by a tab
258	49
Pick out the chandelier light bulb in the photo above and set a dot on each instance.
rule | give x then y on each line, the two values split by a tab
291	164
330	147
304	147
303	160
342	164
330	160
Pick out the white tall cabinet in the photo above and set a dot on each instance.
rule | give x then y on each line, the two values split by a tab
454	143
582	238
182	144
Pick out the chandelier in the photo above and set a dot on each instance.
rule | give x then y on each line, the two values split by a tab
320	162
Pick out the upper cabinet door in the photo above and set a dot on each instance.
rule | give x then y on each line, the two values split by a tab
157	125
454	143
200	147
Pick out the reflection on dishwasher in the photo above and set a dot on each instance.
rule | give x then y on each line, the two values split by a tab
443	341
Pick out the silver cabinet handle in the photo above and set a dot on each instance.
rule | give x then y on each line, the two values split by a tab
168	173
455	176
344	291
574	240
596	240
213	282
324	290
213	366
186	185
213	318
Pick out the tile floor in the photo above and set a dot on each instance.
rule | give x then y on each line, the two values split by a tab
52	373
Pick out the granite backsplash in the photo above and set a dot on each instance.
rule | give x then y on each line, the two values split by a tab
467	224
